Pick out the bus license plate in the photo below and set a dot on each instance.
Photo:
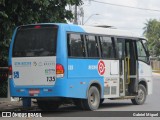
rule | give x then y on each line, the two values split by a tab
34	91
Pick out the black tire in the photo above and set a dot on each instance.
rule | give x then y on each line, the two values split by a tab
141	97
48	105
93	99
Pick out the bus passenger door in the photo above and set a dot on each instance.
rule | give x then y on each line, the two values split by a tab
128	66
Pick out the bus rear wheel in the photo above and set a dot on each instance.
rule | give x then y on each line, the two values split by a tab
141	97
48	105
93	100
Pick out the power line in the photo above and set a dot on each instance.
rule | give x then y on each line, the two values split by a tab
126	6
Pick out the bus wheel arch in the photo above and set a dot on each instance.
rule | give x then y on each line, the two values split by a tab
97	85
144	83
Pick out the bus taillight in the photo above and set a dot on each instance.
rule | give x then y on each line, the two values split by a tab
10	71
59	70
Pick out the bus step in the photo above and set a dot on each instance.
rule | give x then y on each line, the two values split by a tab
123	97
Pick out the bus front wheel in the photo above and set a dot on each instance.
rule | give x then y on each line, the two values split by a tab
93	100
141	97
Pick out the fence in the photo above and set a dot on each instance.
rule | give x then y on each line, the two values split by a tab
155	65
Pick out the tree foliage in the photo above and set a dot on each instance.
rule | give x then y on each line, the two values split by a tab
19	12
152	33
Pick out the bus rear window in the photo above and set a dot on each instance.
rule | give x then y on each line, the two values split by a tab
35	41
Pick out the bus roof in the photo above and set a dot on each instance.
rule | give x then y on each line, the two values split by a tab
106	31
94	30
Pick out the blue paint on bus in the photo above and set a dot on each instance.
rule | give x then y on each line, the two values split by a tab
79	73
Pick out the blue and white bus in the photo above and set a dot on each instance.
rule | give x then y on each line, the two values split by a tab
56	62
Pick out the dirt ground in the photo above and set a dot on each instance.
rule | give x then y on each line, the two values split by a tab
15	106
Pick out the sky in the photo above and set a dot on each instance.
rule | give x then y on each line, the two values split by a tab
121	17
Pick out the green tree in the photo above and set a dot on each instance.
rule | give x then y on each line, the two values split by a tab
152	33
19	12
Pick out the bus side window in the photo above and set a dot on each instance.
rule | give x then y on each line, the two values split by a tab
145	43
92	46
107	49
141	52
120	49
75	45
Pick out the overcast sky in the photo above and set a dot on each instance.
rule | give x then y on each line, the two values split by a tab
121	17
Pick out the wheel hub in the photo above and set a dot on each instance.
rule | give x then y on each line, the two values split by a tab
92	98
140	95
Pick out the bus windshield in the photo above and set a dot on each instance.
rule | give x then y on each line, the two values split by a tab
35	41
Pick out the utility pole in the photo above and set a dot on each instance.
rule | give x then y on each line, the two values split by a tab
81	14
75	15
